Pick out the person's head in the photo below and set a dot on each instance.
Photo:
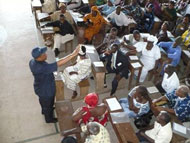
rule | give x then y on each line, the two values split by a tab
134	2
186	19
82	52
93	128
136	35
177	41
62	18
110	2
164	26
113	32
39	54
114	47
141	94
118	10
182	91
91	99
163	118
149	8
171	5
169	69
62	7
94	11
69	139
150	42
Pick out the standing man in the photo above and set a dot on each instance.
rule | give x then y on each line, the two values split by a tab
44	82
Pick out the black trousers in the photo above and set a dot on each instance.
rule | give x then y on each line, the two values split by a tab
47	107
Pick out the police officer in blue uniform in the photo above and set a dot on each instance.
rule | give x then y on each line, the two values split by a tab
44	82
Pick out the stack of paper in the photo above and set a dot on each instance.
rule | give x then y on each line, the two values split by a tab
179	128
133	57
90	47
152	89
98	64
136	65
113	104
90	51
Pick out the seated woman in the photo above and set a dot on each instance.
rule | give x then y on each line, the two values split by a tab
94	22
170	80
137	103
80	71
92	111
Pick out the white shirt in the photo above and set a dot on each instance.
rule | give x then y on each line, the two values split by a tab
148	57
121	19
171	83
160	134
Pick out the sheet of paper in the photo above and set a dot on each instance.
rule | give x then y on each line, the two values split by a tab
133	57
85	1
169	34
179	128
187	52
113	104
90	47
90	51
152	89
98	64
119	117
136	65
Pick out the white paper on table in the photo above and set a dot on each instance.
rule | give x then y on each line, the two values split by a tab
179	128
152	89
90	47
136	65
85	1
113	104
169	34
98	64
133	57
187	52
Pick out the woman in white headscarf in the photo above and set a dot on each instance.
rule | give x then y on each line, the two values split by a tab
78	72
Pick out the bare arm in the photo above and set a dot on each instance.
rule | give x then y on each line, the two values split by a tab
69	57
78	114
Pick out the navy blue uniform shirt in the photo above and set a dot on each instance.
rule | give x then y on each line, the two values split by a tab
44	81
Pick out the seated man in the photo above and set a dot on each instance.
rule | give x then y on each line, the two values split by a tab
74	4
117	63
160	132
120	20
137	103
93	133
78	72
92	111
170	80
147	20
156	7
94	22
109	39
108	8
181	25
150	55
179	101
163	35
186	38
64	33
49	6
173	51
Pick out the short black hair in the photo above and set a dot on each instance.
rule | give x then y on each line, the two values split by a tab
62	16
142	90
136	32
69	139
166	117
114	29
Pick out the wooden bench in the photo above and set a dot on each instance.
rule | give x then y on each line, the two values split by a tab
64	112
35	6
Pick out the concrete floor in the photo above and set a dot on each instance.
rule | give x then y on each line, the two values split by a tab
20	114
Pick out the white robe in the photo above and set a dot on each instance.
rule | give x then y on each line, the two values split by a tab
82	67
148	58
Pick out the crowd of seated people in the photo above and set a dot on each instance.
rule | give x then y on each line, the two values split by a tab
159	51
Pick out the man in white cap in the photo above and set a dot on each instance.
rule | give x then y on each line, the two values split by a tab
150	55
78	72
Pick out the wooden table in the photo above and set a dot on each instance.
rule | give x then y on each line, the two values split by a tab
36	5
124	131
98	72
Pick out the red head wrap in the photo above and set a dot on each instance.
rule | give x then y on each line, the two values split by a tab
91	99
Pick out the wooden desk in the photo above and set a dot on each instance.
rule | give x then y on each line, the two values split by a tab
124	131
132	70
98	72
36	5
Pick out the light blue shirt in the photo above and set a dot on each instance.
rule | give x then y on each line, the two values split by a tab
173	53
106	10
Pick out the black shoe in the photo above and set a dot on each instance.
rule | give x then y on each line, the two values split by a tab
57	52
92	78
54	120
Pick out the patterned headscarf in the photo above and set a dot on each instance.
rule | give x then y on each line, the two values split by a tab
91	99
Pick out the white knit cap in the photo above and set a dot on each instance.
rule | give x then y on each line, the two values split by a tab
152	38
81	51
